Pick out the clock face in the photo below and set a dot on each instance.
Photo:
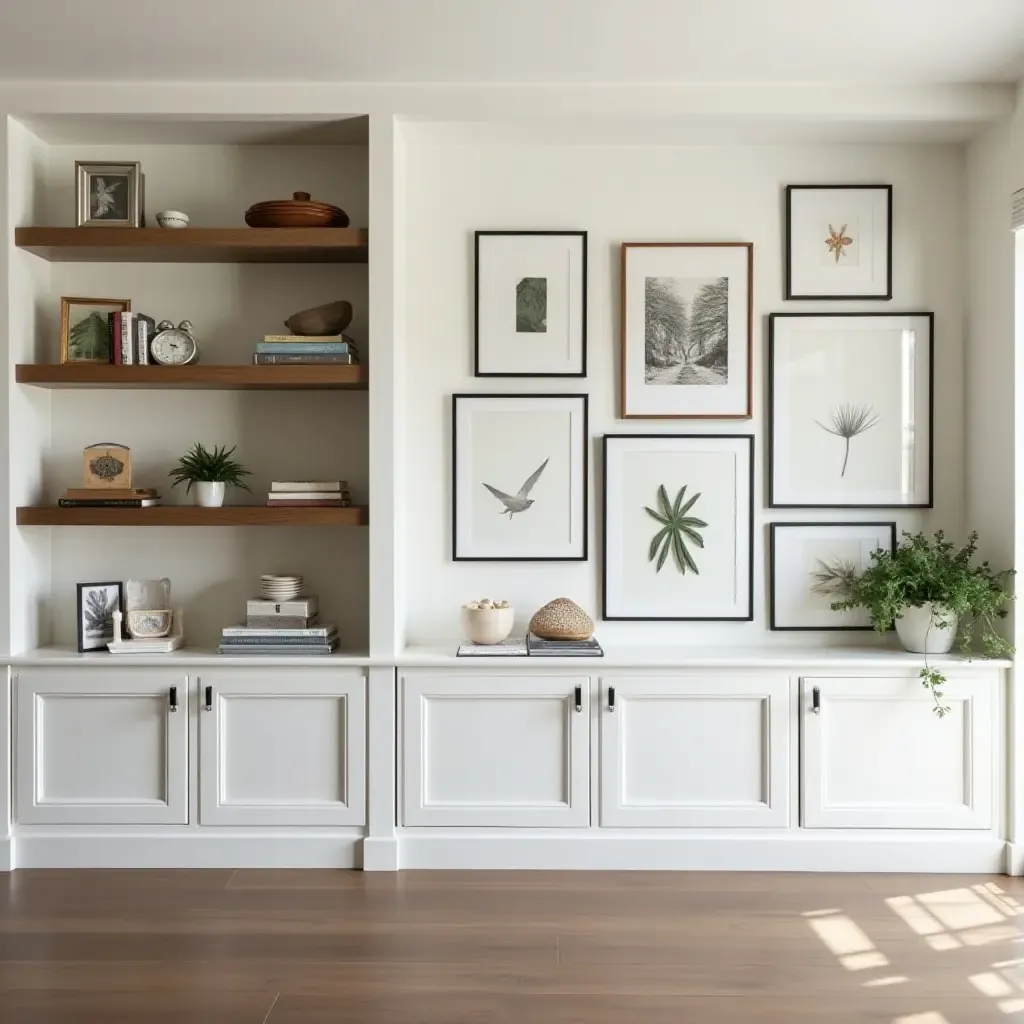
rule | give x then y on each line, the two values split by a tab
173	347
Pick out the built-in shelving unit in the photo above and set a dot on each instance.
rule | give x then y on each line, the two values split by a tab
193	515
245	377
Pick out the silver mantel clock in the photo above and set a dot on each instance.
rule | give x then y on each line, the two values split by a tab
174	346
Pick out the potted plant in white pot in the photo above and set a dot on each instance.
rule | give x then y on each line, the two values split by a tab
210	472
930	591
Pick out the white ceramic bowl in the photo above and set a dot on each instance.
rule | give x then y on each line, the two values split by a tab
172	219
149	623
487	625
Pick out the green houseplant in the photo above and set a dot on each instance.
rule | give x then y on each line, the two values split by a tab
211	471
929	589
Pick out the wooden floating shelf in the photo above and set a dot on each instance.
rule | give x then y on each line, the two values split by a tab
245	377
193	515
195	245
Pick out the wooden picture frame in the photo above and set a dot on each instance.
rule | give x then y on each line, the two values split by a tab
89	348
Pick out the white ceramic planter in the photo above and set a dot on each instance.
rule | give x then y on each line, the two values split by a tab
487	625
918	633
209	493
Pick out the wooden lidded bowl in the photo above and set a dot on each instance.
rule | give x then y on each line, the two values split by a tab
562	619
298	212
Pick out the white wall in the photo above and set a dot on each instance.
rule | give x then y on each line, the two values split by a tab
634	194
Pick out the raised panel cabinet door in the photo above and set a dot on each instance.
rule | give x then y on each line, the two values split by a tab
876	756
102	746
698	751
496	750
282	746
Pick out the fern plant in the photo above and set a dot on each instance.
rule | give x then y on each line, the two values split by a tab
200	464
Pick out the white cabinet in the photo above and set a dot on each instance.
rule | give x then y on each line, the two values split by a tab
496	750
281	746
102	746
694	751
875	756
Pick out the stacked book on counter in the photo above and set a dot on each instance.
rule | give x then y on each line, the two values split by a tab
309	493
280	627
109	497
588	648
130	335
306	350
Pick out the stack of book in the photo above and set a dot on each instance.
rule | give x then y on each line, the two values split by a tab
306	349
280	627
564	648
109	497
130	335
298	493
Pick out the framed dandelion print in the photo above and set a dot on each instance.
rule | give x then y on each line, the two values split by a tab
839	241
850	410
812	565
530	299
686	330
678	527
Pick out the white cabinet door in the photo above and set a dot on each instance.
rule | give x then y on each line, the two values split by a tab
496	750
102	746
693	751
875	755
282	746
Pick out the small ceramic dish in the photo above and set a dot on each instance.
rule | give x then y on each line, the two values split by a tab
172	219
487	625
145	625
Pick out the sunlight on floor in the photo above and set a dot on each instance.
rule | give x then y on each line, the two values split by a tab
959	917
854	950
895	979
932	1017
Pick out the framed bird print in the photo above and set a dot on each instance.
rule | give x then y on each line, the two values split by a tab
839	241
678	527
519	478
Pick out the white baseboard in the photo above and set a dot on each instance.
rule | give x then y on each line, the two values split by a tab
1014	859
7	862
380	854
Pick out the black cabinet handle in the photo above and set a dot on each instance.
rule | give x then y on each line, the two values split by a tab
816	701
611	698
174	698
208	706
579	699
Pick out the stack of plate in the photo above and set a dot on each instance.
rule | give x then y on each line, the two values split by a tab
299	212
280	588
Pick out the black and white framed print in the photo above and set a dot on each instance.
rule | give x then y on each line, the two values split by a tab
686	330
531	303
813	564
109	194
519	478
839	241
850	410
678	527
97	603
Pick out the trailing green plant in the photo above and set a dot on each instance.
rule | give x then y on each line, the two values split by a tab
200	464
923	570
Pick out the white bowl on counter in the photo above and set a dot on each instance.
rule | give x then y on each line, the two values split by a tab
487	625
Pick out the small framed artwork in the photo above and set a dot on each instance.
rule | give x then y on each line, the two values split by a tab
519	478
678	527
97	603
531	304
108	194
85	330
850	410
686	330
812	565
839	241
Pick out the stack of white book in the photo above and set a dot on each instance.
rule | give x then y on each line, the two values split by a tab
292	493
280	627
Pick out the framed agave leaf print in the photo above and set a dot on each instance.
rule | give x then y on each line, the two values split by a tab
678	526
850	410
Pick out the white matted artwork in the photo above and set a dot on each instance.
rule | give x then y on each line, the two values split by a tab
531	304
519	477
678	526
686	330
839	241
812	565
850	410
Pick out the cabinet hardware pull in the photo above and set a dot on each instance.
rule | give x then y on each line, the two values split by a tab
611	698
174	698
579	699
209	699
816	701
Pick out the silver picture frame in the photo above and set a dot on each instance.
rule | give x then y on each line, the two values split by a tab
109	194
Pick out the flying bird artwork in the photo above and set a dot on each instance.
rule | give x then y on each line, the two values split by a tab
521	501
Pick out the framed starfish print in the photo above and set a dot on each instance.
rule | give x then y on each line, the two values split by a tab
519	478
839	241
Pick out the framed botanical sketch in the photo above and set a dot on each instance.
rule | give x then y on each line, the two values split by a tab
686	330
109	195
812	564
531	304
850	410
97	603
85	330
839	241
678	526
519	478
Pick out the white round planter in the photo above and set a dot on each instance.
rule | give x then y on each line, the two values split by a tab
487	625
918	632
209	493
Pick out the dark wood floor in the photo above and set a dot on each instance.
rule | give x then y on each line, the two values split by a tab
279	947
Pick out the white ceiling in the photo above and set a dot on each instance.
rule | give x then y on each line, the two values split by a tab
841	41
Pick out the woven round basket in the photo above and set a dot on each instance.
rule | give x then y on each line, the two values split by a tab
562	619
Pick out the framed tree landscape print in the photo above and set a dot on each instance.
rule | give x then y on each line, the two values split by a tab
850	410
678	527
686	330
519	477
531	304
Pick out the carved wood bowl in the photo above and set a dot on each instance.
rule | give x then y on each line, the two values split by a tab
298	212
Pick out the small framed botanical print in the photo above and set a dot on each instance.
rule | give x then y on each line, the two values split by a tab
109	194
850	410
531	303
686	330
839	241
85	329
519	478
678	526
97	603
812	565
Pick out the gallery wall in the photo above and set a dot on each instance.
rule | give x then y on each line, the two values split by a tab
646	193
